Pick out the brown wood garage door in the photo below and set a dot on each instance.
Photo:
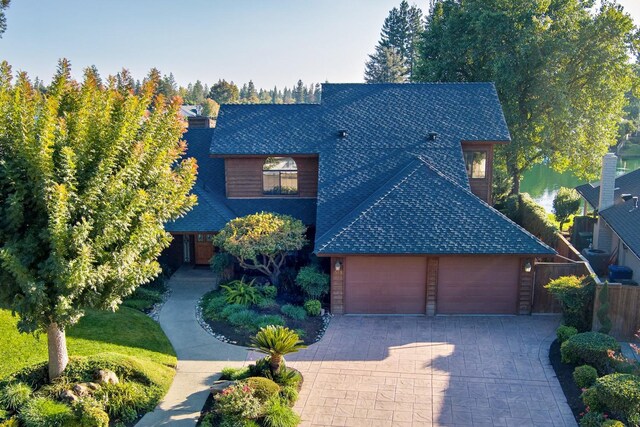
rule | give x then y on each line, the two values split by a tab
385	285
477	285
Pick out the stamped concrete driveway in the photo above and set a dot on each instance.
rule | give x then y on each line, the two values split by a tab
442	371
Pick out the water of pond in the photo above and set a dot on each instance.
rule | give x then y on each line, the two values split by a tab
542	182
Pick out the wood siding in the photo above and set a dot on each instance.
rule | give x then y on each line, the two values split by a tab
624	311
478	284
482	187
337	286
385	285
243	177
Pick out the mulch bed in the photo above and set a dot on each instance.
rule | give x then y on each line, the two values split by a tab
311	326
564	373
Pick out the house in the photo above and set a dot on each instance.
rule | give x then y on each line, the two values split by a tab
617	231
394	182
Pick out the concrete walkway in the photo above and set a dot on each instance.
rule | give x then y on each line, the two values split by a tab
200	356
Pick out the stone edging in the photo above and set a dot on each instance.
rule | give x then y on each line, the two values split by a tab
326	319
154	313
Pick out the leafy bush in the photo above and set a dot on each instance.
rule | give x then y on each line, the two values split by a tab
45	412
288	378
592	419
591	348
575	295
269	291
244	318
232	309
239	292
294	311
612	423
237	422
585	376
620	393
263	388
279	414
238	401
268	319
124	400
89	413
212	306
565	204
235	373
267	304
590	399
15	395
313	282
313	307
289	394
524	211
565	332
221	263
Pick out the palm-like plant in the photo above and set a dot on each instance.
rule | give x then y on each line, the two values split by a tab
276	341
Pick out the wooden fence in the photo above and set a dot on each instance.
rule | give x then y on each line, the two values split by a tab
543	301
624	311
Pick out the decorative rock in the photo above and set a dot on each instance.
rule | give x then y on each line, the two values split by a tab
105	376
81	389
218	386
92	386
68	396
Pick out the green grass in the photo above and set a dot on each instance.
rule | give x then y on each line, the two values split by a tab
126	331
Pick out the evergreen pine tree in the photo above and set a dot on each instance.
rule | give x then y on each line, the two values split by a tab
386	66
252	94
274	95
298	92
224	92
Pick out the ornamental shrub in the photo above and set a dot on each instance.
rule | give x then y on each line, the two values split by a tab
289	394
231	309
212	307
263	388
269	291
243	318
89	413
590	348
268	319
238	401
14	396
279	414
612	423
565	204
565	332
592	419
314	283
591	400
294	311
45	412
313	307
525	212
222	264
575	295
585	376
123	401
239	292
235	373
237	422
620	393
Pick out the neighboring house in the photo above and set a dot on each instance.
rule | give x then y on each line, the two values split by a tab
618	229
394	182
195	120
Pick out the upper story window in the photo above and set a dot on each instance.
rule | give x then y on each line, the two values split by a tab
476	163
280	176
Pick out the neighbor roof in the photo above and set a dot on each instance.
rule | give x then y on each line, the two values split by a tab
623	217
386	152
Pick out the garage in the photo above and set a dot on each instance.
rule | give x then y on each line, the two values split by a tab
385	285
477	285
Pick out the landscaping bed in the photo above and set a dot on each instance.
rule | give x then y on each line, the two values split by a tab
564	373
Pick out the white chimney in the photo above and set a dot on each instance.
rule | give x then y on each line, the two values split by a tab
607	181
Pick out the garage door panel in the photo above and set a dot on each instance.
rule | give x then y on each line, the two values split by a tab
385	285
477	285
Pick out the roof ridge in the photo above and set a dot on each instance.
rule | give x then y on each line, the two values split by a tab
366	202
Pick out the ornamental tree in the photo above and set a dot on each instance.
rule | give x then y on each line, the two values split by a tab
89	175
565	204
261	241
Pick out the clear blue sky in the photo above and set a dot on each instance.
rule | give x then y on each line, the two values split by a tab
272	42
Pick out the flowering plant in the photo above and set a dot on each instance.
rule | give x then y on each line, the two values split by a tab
238	401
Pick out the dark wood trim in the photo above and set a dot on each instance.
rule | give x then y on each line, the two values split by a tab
337	286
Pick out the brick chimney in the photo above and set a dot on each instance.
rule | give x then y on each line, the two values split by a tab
603	236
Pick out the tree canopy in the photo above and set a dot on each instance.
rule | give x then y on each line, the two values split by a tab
561	71
261	241
89	175
4	4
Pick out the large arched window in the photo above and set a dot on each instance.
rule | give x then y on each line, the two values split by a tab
280	176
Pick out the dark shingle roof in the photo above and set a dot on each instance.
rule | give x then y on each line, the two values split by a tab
628	183
421	211
385	188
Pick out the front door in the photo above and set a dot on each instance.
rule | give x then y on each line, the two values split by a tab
204	248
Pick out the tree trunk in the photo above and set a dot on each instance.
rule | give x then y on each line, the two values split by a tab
274	277
274	361
515	185
58	355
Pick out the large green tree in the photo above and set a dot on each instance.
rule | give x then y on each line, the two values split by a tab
560	67
396	52
224	92
4	4
89	175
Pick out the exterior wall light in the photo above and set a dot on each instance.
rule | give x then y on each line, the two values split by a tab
527	267
338	266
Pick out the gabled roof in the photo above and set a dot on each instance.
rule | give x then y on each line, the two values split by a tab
628	183
622	217
421	211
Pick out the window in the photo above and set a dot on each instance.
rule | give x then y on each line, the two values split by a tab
280	176
476	162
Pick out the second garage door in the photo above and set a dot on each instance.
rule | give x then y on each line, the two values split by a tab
478	285
385	285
